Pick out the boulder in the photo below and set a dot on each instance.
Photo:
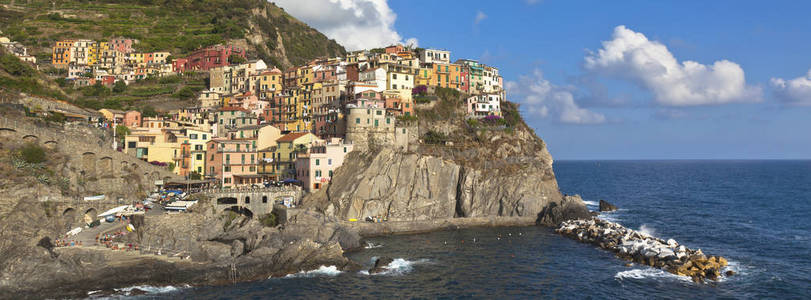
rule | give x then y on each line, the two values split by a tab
570	208
381	265
605	206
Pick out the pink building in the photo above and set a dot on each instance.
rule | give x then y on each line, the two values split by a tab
132	119
207	58
315	169
122	45
232	162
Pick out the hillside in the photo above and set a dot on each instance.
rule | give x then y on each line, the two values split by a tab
265	30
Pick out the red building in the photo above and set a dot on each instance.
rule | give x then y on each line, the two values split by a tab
207	58
352	72
464	79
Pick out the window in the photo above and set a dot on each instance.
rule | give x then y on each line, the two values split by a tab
376	123
344	149
330	173
317	173
329	161
212	157
131	145
379	112
317	162
212	170
227	169
247	200
199	157
357	120
193	136
264	199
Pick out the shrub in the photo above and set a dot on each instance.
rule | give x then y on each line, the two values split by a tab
433	137
269	220
119	87
32	153
419	90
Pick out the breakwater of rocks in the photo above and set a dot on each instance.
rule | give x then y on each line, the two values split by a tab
643	249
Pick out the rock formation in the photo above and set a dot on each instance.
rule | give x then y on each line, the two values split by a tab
644	249
381	265
605	206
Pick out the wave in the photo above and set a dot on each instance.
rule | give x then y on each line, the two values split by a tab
592	203
370	245
127	291
321	271
398	266
649	273
645	229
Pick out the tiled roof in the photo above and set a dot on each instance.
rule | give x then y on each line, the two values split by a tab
291	136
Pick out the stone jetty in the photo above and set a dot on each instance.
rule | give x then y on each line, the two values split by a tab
644	249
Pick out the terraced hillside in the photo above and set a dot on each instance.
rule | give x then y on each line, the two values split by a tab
176	26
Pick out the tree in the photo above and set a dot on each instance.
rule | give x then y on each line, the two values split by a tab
121	131
236	59
170	166
149	111
119	87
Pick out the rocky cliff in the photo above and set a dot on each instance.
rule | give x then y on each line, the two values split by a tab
458	169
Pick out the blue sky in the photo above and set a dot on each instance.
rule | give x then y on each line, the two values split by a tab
747	96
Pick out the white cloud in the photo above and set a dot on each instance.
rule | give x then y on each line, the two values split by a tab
356	24
795	91
480	16
649	63
541	98
412	42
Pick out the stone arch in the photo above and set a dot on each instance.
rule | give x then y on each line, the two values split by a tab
106	167
30	138
51	144
68	210
134	166
240	210
89	164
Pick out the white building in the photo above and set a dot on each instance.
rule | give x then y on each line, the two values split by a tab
486	104
429	56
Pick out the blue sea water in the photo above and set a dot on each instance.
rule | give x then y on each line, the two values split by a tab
755	213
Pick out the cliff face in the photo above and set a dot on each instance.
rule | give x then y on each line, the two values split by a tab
412	187
473	172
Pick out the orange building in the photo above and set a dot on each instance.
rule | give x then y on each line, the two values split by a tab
445	75
61	53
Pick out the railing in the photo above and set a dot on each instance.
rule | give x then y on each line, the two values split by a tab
273	189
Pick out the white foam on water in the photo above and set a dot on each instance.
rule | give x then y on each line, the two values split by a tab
398	266
321	271
592	203
370	245
649	273
645	229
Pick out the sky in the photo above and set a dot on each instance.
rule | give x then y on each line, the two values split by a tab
618	79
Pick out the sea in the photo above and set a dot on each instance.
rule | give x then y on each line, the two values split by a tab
755	213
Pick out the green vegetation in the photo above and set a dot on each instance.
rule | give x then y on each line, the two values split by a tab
119	87
166	25
19	76
32	153
269	220
433	137
121	132
236	59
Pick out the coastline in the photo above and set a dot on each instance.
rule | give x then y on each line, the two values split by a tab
105	270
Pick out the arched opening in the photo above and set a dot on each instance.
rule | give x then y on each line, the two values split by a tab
240	210
226	201
7	132
264	199
89	164
247	199
30	138
106	168
50	145
69	210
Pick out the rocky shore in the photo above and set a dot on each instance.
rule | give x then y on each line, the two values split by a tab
643	249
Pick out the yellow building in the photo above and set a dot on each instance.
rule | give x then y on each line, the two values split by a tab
270	83
287	149
424	76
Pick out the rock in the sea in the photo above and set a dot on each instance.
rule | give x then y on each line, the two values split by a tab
605	206
381	265
570	208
